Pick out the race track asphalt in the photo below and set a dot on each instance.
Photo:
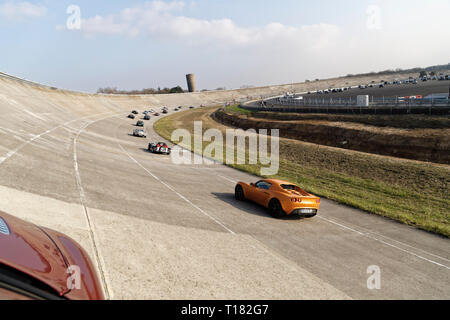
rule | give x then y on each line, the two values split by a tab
158	230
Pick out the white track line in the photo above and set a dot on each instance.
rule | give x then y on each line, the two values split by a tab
387	243
399	242
92	234
23	145
367	235
174	191
228	179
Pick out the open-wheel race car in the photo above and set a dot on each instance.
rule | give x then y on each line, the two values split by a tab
160	148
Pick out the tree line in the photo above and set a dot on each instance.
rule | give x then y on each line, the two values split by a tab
114	90
431	70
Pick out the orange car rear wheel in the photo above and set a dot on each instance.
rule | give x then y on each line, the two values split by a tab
239	193
275	209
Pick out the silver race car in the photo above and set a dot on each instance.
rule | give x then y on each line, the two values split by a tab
139	133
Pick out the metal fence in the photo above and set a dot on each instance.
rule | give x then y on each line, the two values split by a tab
373	101
349	106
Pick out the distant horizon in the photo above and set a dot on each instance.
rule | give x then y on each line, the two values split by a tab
184	87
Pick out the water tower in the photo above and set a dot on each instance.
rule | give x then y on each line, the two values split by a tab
191	82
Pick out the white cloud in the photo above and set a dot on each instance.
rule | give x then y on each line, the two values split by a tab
157	19
226	53
21	11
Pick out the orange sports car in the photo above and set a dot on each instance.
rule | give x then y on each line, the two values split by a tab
280	197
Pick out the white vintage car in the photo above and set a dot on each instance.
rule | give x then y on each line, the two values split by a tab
139	133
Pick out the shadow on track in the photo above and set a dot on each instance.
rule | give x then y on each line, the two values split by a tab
250	207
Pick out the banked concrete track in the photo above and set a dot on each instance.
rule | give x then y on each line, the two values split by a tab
162	231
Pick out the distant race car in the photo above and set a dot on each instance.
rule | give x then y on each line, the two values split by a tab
36	263
160	148
191	107
147	117
131	116
139	133
165	112
157	114
134	112
280	197
140	123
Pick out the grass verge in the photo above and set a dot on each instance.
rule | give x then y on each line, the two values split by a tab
411	192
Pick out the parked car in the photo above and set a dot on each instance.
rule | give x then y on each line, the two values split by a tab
140	123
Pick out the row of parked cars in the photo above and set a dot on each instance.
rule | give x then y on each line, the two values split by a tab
331	90
382	84
440	77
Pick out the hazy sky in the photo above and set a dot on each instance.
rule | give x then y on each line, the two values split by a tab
231	43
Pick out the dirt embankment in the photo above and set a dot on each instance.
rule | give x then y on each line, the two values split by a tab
430	145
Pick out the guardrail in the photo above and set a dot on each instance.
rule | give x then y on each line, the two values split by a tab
349	106
322	102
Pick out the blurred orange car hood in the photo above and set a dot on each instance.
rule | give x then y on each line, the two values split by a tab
28	249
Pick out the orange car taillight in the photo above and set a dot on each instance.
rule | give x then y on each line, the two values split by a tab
296	200
318	201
